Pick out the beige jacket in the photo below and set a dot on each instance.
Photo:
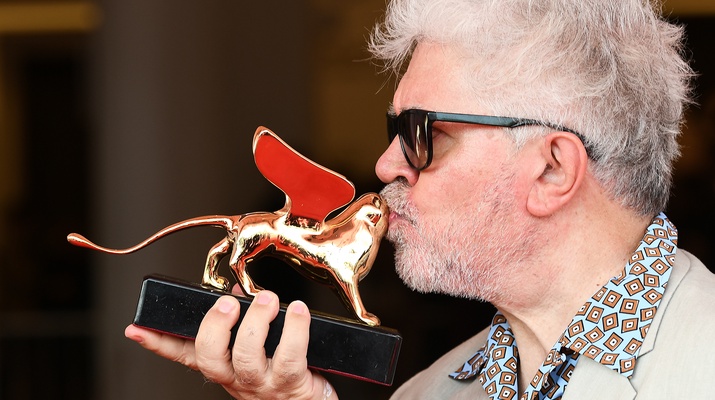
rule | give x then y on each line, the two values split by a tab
677	358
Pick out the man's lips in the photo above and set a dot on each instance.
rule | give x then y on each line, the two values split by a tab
396	217
393	217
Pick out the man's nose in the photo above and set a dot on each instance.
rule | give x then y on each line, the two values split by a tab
392	165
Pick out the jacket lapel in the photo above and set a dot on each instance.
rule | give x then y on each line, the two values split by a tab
593	381
676	276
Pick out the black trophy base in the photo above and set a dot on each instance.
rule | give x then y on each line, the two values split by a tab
336	345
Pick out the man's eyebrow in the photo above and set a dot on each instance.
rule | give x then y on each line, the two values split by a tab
391	109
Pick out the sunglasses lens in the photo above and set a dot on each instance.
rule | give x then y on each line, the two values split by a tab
412	128
413	133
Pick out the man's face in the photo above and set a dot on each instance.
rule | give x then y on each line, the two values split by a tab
459	226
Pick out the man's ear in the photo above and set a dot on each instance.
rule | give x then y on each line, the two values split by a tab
559	173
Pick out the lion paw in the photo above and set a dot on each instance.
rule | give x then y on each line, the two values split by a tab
219	282
370	319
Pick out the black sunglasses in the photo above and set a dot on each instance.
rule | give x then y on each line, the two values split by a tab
414	127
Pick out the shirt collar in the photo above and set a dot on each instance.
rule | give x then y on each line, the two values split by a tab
611	326
608	328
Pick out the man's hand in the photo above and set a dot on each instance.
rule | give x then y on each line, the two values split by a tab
245	372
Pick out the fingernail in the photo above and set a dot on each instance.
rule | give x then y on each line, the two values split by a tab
225	305
299	307
136	338
129	332
263	298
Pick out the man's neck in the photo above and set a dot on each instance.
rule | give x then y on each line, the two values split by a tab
582	256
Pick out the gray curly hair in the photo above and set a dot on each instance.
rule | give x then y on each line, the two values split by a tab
611	69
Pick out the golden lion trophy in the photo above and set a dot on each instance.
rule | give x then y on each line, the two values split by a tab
338	252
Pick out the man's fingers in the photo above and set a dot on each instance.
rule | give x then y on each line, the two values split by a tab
289	361
212	340
170	347
237	291
249	355
245	372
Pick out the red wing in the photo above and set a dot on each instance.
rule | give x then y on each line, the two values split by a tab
313	190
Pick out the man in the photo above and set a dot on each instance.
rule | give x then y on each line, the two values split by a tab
552	214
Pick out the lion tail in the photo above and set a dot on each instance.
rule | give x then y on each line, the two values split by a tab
220	221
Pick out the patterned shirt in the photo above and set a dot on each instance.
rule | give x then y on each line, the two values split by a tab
609	328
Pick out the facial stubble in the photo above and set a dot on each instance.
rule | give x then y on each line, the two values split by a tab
476	251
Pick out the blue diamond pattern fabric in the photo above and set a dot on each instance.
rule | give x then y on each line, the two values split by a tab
609	328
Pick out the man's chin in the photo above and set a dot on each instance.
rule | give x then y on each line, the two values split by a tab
418	278
422	279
